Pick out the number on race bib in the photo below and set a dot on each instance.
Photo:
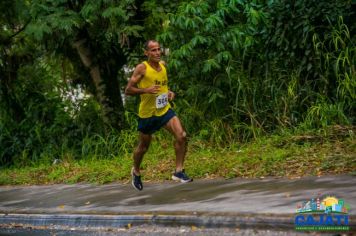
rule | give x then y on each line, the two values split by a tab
162	100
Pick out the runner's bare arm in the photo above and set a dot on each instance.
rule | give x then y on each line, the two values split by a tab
137	75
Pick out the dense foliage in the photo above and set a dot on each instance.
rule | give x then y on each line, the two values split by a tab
53	51
240	69
249	66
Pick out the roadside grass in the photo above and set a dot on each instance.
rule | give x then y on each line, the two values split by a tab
287	155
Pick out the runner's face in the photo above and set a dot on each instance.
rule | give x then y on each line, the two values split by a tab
153	52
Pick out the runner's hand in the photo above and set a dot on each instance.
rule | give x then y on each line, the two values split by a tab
153	89
171	95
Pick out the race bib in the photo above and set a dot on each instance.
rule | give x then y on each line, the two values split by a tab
161	100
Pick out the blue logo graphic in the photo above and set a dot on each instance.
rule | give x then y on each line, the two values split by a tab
323	214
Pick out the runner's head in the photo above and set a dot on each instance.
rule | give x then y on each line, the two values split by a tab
153	50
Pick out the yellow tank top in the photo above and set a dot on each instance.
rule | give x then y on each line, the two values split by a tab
154	104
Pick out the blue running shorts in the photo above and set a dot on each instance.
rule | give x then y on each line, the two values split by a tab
154	123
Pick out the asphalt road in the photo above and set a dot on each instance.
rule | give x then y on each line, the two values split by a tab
264	205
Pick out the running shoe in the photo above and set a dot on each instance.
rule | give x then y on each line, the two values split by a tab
181	176
136	180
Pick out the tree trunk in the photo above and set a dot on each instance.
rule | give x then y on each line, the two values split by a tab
106	84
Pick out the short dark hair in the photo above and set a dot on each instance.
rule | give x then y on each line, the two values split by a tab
148	42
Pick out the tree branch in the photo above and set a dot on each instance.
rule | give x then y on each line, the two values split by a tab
8	40
22	29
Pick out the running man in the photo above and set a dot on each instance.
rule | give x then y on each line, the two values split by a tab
150	81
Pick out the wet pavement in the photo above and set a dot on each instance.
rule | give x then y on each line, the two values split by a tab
257	203
149	230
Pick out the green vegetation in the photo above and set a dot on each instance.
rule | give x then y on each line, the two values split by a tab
288	155
257	67
263	88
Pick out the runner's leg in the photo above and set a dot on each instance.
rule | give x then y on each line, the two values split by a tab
141	149
175	127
